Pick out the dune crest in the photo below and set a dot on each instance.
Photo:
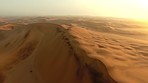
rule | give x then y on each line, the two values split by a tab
50	53
44	53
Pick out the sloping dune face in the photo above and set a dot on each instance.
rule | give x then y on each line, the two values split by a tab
6	27
47	53
126	59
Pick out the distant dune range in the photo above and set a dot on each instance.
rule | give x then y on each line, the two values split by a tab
50	53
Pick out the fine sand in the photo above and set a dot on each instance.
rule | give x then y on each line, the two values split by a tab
50	53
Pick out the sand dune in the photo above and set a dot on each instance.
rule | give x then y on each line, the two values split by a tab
50	53
125	58
6	27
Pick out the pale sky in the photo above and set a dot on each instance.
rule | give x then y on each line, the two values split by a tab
111	8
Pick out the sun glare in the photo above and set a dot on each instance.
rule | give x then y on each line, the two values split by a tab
143	4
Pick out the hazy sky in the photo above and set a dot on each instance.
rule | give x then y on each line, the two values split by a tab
113	8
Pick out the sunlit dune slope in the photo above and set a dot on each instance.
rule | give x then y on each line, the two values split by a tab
6	27
47	53
50	53
126	58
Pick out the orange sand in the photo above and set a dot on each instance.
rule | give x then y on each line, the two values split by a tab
50	53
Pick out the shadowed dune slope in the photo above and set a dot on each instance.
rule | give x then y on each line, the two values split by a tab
47	53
